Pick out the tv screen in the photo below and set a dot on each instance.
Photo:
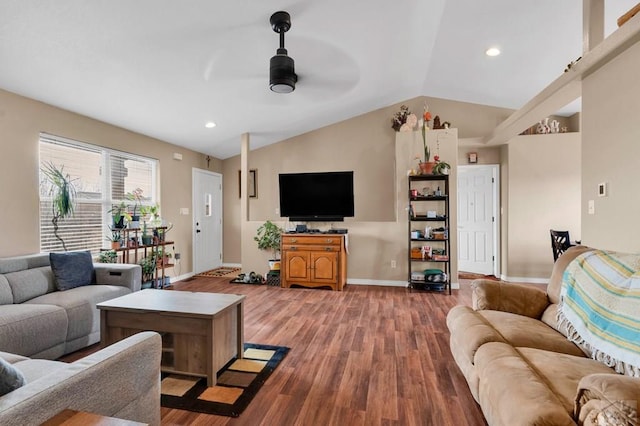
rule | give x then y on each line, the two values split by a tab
323	196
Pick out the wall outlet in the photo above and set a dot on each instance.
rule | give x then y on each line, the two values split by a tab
184	211
591	207
394	264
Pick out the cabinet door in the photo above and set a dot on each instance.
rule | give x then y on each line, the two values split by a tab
324	267
296	265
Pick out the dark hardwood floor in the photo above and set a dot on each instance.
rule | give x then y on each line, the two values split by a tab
366	356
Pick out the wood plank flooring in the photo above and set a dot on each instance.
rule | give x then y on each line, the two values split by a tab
365	356
368	355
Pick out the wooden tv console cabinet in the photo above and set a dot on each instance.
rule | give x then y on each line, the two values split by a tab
314	260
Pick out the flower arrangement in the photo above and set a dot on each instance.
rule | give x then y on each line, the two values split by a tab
404	120
426	117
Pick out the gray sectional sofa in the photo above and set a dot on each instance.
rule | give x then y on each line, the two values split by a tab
121	380
38	321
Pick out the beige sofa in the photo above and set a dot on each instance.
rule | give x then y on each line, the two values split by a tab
121	380
520	366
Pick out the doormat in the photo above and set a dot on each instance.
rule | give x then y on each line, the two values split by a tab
218	272
238	382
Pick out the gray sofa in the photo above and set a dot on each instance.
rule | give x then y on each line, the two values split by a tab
38	321
121	380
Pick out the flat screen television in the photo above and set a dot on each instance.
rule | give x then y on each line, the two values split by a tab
320	197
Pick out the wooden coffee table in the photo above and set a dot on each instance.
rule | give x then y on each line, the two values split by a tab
201	332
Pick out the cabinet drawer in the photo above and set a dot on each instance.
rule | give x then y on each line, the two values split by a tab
309	240
308	247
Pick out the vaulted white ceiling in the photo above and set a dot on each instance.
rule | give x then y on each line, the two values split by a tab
164	68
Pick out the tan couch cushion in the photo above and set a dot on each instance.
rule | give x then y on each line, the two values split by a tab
528	332
525	386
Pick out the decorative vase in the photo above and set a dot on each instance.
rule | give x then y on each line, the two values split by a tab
427	168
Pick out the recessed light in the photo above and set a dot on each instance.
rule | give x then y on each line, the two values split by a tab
492	51
210	125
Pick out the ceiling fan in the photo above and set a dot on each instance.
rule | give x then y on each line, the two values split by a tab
282	75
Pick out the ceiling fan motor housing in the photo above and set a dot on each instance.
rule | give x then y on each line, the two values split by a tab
282	76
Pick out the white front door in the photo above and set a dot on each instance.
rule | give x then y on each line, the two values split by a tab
207	220
478	219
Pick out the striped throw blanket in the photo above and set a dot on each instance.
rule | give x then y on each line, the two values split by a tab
600	308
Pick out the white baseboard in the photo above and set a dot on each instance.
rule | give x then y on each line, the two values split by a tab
385	283
181	277
527	280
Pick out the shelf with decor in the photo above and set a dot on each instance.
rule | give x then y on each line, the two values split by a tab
149	252
429	264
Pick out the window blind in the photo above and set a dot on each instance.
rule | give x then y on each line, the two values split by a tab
102	178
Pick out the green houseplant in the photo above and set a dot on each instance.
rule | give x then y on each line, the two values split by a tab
268	238
115	238
63	196
120	214
441	167
108	256
148	265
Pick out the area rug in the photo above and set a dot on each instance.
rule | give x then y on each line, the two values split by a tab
218	272
238	382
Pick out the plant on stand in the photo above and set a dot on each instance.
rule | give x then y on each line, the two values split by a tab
63	195
441	167
115	238
108	256
146	237
148	265
119	214
268	238
136	197
426	167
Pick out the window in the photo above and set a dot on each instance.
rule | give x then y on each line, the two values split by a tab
102	178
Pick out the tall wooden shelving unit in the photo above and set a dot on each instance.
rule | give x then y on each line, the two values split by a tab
424	198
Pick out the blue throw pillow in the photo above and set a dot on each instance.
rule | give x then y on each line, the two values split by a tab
71	270
10	377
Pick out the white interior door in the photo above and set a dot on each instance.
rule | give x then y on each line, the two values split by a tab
478	219
207	220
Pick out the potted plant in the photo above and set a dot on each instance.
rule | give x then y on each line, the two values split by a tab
120	214
148	265
108	256
136	197
63	194
146	237
115	238
268	238
153	213
441	167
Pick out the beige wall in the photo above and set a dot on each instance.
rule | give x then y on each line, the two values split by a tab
485	155
542	178
365	144
525	251
611	153
21	121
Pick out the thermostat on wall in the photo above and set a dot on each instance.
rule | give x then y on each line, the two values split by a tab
602	189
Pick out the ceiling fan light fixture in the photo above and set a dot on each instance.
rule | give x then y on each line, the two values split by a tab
282	75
